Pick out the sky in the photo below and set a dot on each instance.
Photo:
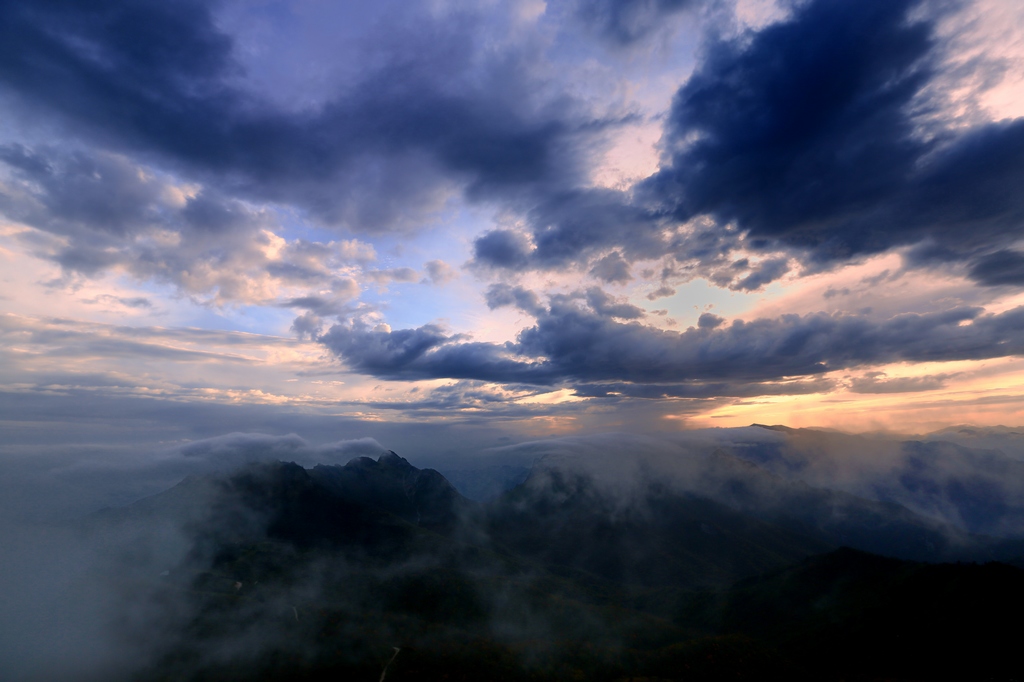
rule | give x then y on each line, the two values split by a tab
451	225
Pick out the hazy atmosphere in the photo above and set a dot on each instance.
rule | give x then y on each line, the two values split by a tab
500	239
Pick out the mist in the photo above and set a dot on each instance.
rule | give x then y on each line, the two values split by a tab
94	590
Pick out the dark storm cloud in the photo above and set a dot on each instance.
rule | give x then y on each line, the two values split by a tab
159	78
583	345
808	137
814	136
577	345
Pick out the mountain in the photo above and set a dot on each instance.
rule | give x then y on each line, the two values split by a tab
955	476
420	496
838	518
487	483
912	620
563	519
326	504
567	502
293	573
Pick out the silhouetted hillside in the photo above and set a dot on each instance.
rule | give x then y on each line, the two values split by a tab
323	573
870	615
978	489
560	519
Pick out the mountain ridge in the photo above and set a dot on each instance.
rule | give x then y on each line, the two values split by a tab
556	579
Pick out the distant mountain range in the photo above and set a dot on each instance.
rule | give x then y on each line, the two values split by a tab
970	478
967	477
741	573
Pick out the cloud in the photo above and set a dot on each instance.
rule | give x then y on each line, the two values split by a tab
499	295
56	338
815	137
393	275
808	137
578	345
878	382
65	356
571	225
218	454
133	302
320	305
228	452
433	116
661	292
79	599
439	273
812	137
307	326
625	22
766	272
710	321
585	346
503	249
612	269
499	401
423	353
105	213
1005	267
976	490
73	192
698	390
605	305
